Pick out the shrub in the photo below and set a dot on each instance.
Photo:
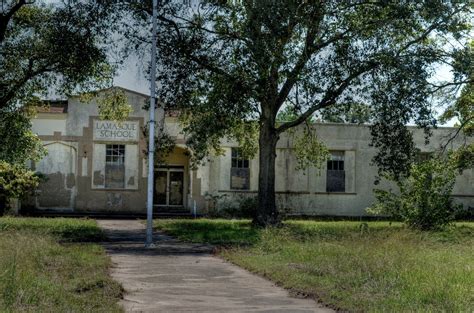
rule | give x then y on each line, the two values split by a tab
15	183
247	207
244	207
424	199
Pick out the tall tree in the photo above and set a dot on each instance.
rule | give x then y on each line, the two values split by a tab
56	47
52	47
224	62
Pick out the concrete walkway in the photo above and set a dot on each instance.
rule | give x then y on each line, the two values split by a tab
180	277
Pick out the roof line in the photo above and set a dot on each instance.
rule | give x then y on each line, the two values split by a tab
114	87
130	90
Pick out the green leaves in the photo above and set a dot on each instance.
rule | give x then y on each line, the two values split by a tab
113	105
246	134
424	199
16	181
18	143
463	110
308	149
48	47
233	61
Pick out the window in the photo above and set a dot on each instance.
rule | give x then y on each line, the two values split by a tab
239	171
115	166
335	179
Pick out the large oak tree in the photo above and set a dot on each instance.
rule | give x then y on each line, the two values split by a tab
224	62
52	46
55	46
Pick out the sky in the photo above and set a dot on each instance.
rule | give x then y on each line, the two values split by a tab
132	76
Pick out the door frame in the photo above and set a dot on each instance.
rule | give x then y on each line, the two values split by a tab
171	168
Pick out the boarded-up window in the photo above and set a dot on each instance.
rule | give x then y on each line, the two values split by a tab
239	171
336	177
115	166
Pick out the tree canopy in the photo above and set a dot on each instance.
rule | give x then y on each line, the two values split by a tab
19	143
224	62
44	46
58	47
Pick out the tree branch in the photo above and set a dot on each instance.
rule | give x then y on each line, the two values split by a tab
455	135
450	84
308	51
329	98
204	63
431	28
5	18
29	74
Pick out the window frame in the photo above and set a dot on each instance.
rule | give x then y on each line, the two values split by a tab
114	156
336	164
238	162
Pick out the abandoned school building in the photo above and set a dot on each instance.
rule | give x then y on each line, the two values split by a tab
98	166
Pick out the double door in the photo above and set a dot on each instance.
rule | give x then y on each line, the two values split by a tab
169	186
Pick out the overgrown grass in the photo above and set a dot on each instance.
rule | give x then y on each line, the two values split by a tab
64	229
43	268
374	266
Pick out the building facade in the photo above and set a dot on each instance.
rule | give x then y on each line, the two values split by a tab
95	165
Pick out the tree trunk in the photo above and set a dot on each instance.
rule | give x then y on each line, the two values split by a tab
267	214
3	205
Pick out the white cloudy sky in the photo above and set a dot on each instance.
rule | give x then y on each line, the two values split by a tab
132	76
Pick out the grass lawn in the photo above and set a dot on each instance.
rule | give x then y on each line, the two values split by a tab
349	265
50	265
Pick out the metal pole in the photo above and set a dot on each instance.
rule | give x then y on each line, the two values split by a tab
151	139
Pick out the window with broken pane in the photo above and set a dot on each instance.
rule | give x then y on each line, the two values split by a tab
240	171
335	177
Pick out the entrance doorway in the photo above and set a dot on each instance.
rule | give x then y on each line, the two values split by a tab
169	186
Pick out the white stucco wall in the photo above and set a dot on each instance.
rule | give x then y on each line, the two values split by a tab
47	124
59	167
79	112
298	191
304	191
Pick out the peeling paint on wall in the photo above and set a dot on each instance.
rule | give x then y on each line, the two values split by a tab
99	178
302	192
70	180
53	192
114	200
59	167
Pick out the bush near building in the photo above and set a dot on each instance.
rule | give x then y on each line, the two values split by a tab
424	198
15	183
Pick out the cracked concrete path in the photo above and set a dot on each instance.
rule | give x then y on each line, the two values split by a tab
182	277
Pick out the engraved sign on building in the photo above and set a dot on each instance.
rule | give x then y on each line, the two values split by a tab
116	131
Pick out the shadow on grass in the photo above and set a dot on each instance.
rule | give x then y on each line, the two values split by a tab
241	233
64	229
215	232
